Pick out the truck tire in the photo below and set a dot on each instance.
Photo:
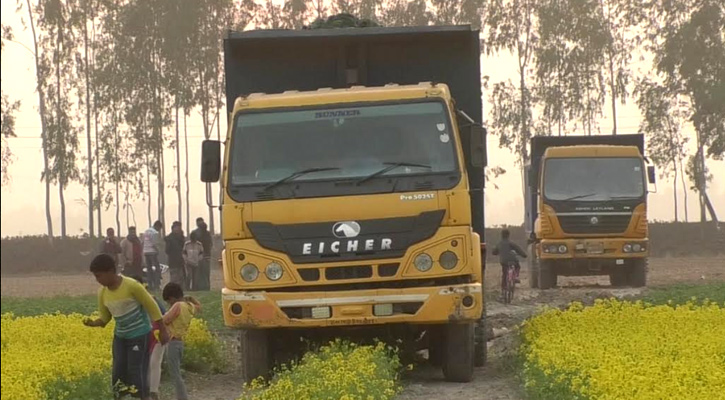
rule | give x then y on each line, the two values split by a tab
459	355
618	278
533	272
481	342
638	273
547	275
254	354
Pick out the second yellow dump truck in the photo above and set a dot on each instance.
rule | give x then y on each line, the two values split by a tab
586	208
352	191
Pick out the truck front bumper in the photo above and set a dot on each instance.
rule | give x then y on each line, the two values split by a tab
593	248
420	305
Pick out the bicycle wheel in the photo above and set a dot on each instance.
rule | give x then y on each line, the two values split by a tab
510	282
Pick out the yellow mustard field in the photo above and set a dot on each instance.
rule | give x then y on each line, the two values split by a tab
339	371
619	350
57	357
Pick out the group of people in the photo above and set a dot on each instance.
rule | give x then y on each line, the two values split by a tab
189	258
145	333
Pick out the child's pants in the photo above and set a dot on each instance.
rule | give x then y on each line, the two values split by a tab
174	354
157	355
130	363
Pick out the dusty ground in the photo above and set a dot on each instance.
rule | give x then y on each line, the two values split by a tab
496	381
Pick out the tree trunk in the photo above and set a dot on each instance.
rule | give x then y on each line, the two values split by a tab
60	157
97	203
43	124
674	189
178	167
61	198
186	172
88	123
148	188
117	178
613	87
160	184
684	188
710	207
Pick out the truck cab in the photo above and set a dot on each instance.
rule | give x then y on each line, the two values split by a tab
349	208
587	207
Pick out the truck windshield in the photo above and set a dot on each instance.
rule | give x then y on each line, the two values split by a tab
593	179
340	144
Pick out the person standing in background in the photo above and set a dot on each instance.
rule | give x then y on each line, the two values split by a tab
193	254
174	250
202	233
110	245
132	254
151	240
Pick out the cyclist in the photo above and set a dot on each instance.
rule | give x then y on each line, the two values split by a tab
506	251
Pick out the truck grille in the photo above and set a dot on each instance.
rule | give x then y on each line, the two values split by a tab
345	273
356	272
594	224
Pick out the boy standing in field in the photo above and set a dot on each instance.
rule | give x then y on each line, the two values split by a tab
128	302
177	320
193	254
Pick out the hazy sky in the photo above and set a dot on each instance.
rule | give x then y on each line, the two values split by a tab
23	200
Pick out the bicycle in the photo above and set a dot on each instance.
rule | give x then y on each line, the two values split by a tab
510	283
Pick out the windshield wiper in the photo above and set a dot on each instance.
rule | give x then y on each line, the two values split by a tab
579	196
297	174
390	166
624	197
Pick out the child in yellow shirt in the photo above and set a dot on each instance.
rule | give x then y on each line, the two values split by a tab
133	309
177	321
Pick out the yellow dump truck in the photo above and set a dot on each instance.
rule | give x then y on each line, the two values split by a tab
352	191
586	208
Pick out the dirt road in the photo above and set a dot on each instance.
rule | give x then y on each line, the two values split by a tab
495	381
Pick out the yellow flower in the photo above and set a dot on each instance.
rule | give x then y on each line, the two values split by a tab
624	350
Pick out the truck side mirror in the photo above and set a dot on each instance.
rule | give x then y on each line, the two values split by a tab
651	176
478	146
211	161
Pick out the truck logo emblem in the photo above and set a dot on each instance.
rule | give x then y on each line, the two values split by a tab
594	220
348	229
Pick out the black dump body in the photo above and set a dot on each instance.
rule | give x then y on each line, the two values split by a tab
539	144
274	61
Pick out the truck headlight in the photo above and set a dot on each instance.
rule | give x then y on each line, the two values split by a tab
249	272
423	262
274	271
627	248
448	260
636	247
563	249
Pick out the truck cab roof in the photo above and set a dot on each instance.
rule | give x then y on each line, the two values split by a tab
592	151
355	94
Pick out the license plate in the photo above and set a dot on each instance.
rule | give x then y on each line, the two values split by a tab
596	248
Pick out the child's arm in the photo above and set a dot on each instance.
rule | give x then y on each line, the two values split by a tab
105	317
171	315
518	250
194	302
149	304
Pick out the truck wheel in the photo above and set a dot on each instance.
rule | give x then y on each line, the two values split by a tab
638	273
254	354
459	352
533	272
547	275
481	342
618	278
